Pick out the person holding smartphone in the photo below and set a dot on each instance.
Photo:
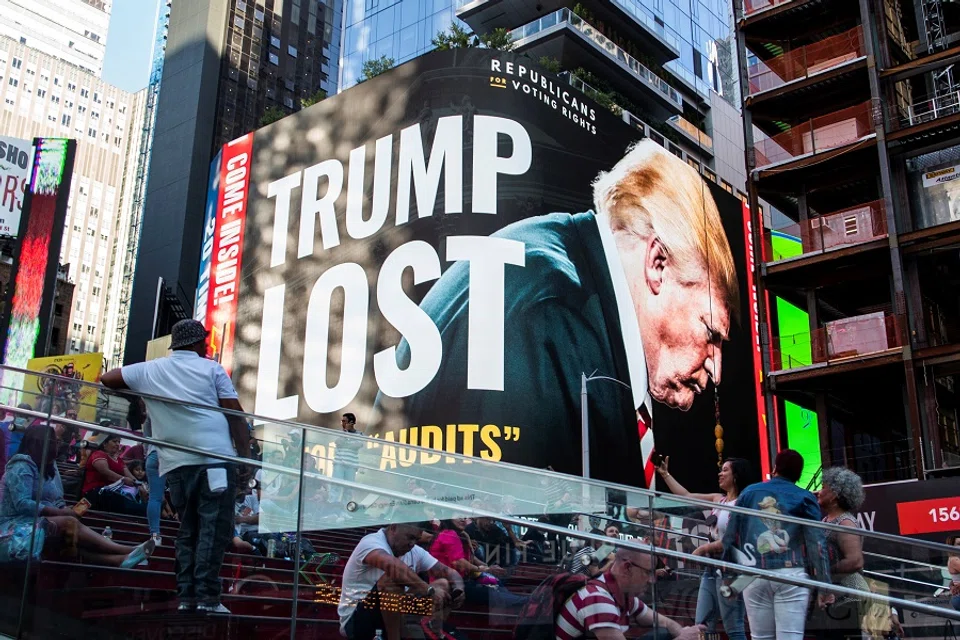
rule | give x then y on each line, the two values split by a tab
711	606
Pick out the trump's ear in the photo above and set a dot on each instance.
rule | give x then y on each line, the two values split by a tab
654	263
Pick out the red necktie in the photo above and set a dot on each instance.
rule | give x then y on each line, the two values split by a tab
645	431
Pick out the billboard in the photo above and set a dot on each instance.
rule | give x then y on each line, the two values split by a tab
16	158
61	396
445	250
206	251
25	329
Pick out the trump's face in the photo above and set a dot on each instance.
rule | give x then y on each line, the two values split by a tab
687	352
682	325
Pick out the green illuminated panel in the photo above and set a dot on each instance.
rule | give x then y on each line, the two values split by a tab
803	430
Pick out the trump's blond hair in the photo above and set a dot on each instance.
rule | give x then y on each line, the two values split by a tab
652	192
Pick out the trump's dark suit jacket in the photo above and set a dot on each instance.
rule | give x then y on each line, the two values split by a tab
561	320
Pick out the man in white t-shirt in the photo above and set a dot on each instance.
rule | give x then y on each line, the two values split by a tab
387	562
202	489
606	607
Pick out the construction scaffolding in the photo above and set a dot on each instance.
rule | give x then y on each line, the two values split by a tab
142	173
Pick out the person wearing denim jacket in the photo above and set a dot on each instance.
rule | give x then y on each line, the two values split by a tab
774	609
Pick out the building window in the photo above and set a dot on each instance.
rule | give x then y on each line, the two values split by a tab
17	63
258	15
14	82
274	59
92	133
41	93
71	86
84	93
292	51
238	22
275	42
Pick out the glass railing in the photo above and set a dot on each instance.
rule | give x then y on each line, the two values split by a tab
286	538
692	131
602	98
806	61
568	18
836	230
813	136
839	340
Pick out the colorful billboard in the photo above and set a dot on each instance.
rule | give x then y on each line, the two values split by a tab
445	250
67	395
206	251
36	257
223	280
16	158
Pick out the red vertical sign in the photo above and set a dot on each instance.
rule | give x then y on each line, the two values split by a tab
225	264
755	335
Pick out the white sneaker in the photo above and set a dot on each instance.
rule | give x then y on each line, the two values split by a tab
213	608
186	606
157	540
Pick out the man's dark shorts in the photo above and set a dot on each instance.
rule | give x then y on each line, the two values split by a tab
366	619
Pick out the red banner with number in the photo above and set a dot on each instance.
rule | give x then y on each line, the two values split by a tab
221	317
929	516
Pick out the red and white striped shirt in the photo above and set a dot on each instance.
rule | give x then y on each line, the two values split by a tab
595	607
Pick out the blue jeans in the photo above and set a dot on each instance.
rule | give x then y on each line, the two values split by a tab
955	602
157	486
711	606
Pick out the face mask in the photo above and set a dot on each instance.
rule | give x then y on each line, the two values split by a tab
20	421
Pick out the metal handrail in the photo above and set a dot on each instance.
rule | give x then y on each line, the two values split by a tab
469	509
644	493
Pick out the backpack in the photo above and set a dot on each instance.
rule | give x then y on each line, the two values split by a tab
539	615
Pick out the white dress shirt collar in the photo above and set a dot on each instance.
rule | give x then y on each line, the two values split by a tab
629	326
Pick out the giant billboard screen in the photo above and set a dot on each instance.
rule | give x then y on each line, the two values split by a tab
446	249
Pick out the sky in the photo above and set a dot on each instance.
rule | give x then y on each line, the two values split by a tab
130	44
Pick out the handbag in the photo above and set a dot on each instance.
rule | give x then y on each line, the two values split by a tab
15	541
130	493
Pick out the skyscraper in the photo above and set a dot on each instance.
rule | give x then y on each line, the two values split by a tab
72	30
669	64
41	95
228	64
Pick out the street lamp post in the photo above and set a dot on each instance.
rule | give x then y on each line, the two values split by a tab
585	416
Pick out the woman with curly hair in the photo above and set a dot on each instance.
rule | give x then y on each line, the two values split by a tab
840	498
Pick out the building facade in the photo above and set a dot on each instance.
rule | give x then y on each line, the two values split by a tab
228	65
46	96
72	30
853	122
669	68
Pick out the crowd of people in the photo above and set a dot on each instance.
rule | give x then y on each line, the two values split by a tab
439	565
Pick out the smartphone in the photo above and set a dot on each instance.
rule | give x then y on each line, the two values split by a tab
81	507
656	459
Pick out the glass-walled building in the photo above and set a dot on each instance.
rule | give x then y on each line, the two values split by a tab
668	65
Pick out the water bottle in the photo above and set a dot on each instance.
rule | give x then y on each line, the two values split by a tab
108	533
271	548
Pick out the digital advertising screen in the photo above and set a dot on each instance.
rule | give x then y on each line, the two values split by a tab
445	251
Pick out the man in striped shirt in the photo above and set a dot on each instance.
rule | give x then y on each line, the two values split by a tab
346	458
604	609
